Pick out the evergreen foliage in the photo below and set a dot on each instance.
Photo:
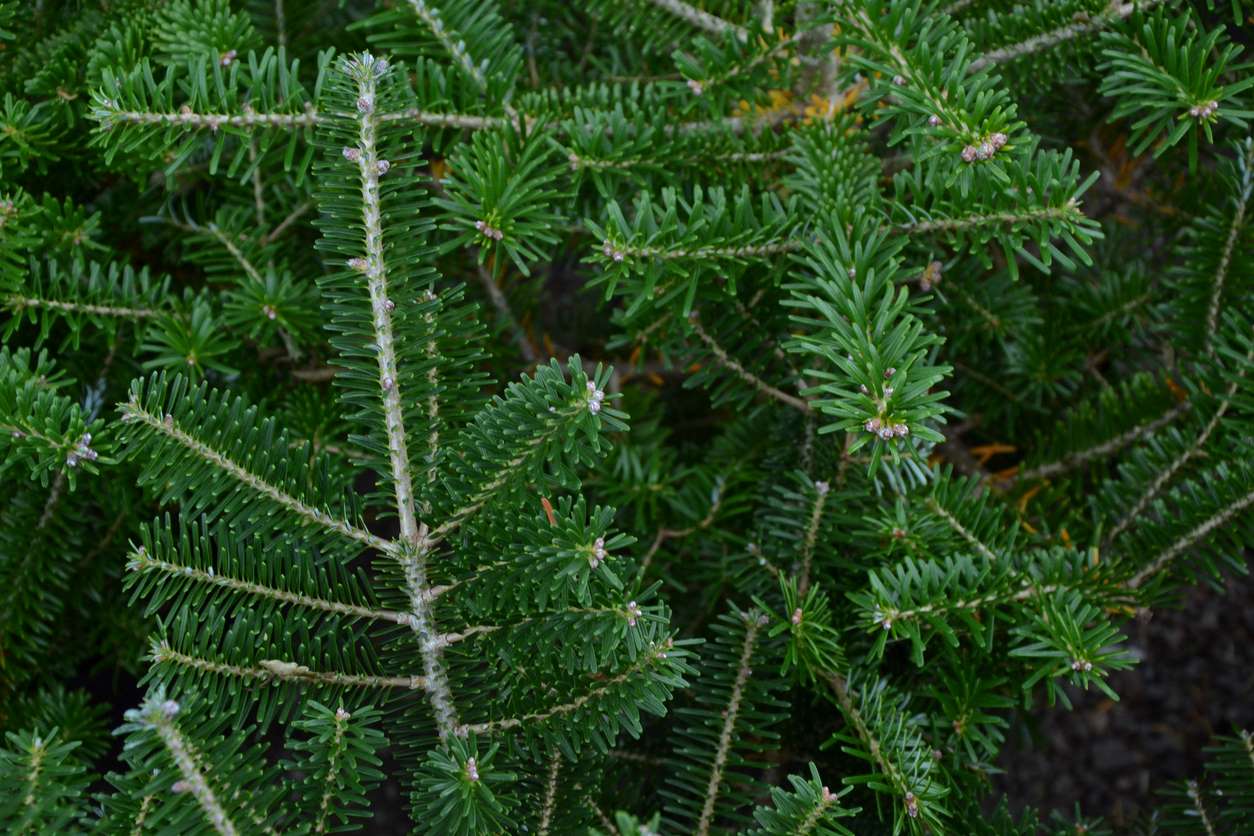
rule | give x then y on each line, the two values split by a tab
323	324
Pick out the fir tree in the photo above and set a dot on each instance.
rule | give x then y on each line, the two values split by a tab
963	290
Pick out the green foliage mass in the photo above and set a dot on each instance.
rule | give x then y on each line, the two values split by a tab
632	416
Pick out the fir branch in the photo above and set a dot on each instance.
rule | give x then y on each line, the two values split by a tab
134	411
455	47
368	163
270	670
1112	14
295	215
1068	212
1199	807
525	346
822	489
550	794
960	529
642	663
187	118
711	253
1080	458
754	622
1164	476
420	594
1180	546
236	253
332	784
845	699
664	534
18	302
701	19
730	363
141	561
1246	170
145	805
159	715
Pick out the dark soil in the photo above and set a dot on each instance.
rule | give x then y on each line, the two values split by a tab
1195	680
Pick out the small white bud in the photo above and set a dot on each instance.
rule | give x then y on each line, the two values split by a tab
695	87
899	80
968	154
270	312
889	372
934	120
358	264
382	167
389	305
365	104
227	58
388	383
341	714
472	769
796	616
352	154
822	488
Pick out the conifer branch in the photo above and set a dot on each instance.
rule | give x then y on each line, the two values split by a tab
665	534
452	44
1067	212
1186	542
1199	807
550	794
888	616
826	800
1166	474
960	529
1113	13
711	253
417	587
642	663
840	687
459	121
134	411
295	215
187	118
525	346
270	670
160	717
368	164
141	561
701	19
145	804
1225	259
812	531
18	302
232	248
754	622
332	786
1080	458
484	493
733	365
